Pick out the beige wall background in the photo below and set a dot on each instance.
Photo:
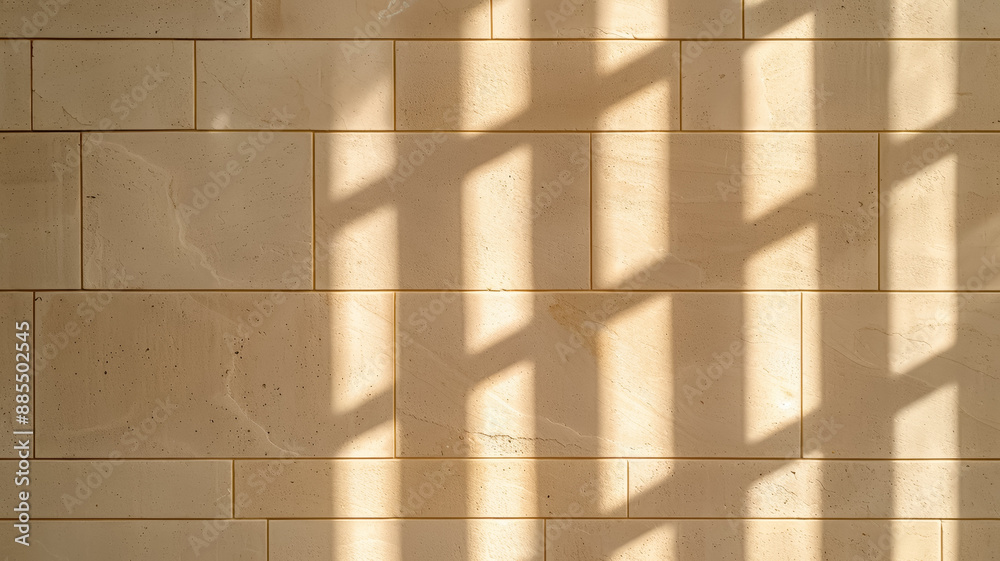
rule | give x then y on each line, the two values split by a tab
523	279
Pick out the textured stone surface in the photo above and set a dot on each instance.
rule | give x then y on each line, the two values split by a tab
430	488
915	19
547	280
198	210
180	19
940	225
160	375
901	375
159	540
405	540
39	211
859	85
748	540
970	539
15	97
311	84
616	19
614	374
105	85
113	488
813	489
374	19
733	211
449	211
518	85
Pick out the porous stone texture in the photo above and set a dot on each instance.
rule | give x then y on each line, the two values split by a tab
189	375
106	85
39	211
15	99
310	84
470	280
197	210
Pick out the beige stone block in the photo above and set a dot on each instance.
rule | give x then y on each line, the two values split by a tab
940	227
91	85
16	310
616	540
732	211
550	85
430	488
405	540
39	211
968	540
178	19
149	540
612	374
841	85
15	74
905	375
223	375
197	210
741	540
913	19
450	210
326	85
113	488
617	19
813	489
371	19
